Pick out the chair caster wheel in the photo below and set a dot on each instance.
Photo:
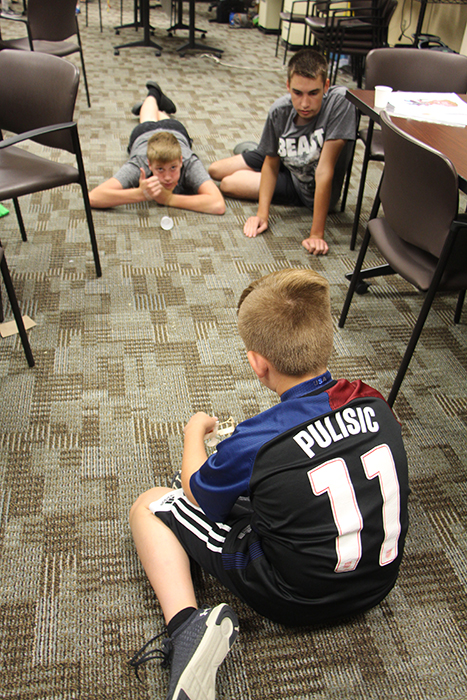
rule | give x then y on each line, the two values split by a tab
157	53
203	36
170	34
182	55
116	52
362	287
117	31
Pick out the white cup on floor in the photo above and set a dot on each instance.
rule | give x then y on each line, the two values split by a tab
382	95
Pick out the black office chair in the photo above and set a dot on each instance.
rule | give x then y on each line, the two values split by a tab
291	17
421	236
410	70
38	94
49	27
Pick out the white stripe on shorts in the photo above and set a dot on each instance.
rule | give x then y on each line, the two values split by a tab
192	518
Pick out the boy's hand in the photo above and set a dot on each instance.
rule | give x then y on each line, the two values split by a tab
316	246
200	423
254	225
152	189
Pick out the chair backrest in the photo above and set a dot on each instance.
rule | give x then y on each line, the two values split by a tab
416	70
37	90
52	20
419	191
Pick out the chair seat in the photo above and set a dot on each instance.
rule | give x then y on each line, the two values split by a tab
54	48
24	173
297	19
411	262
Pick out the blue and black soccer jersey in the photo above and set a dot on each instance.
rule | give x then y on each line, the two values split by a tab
326	472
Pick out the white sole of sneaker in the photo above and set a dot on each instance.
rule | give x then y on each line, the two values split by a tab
198	680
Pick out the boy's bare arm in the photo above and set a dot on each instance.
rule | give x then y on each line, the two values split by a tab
208	200
111	194
269	172
315	243
194	450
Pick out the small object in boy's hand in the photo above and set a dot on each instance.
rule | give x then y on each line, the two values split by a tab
3	210
221	431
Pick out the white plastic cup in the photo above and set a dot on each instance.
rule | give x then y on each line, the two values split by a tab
167	223
382	94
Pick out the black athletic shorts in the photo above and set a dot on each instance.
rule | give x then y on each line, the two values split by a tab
285	192
169	124
232	553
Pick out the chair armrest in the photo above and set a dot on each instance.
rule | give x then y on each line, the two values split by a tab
33	133
14	18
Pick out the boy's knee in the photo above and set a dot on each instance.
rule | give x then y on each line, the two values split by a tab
143	501
214	171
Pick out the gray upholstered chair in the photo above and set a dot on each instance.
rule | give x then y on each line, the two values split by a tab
421	236
38	94
49	27
410	70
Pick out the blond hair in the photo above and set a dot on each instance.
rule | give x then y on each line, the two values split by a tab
163	147
286	317
309	64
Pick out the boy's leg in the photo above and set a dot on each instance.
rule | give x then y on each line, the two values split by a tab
237	179
164	560
164	103
150	111
199	640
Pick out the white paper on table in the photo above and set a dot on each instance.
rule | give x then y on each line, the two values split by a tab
435	107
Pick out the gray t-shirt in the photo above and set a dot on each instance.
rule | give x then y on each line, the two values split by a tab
299	147
192	175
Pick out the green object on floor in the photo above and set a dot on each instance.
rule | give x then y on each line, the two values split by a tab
3	210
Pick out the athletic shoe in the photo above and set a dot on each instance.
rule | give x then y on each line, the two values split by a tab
198	648
244	147
176	481
195	651
163	102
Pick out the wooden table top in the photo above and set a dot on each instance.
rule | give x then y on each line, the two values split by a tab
451	141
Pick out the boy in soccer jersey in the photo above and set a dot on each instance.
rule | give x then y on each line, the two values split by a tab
303	154
161	166
301	513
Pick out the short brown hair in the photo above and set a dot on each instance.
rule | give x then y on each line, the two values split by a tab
286	317
163	147
309	64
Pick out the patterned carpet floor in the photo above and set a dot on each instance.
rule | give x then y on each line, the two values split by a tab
124	360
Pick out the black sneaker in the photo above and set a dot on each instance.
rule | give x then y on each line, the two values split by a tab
195	651
244	147
163	102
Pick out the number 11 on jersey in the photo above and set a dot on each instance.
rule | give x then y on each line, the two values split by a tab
333	478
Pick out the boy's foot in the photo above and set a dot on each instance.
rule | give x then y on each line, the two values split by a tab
198	648
194	651
164	103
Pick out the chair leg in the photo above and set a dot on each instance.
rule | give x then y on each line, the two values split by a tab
19	217
459	305
361	187
287	43
355	279
348	174
278	37
15	308
82	64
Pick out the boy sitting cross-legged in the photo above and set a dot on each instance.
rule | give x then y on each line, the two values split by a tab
301	513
